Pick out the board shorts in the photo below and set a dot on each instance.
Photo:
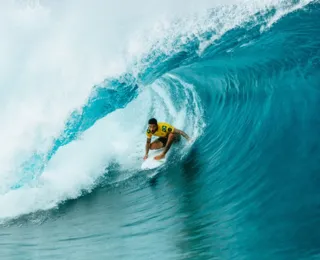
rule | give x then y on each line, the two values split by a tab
164	140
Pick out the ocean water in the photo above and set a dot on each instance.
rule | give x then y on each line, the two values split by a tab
79	82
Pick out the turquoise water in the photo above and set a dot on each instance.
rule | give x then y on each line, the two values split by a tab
242	80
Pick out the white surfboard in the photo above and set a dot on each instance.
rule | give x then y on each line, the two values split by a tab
151	163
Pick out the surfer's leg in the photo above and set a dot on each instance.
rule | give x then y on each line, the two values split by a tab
168	143
172	137
155	145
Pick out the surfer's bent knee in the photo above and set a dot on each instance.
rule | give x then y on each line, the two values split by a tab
151	146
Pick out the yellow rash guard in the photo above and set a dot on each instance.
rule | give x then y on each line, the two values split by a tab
164	129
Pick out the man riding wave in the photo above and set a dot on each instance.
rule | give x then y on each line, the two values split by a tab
167	135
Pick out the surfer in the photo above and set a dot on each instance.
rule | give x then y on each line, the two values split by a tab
167	135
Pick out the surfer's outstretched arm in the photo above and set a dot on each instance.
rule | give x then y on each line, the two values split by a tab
180	132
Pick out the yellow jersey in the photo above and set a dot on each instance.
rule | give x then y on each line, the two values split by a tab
164	129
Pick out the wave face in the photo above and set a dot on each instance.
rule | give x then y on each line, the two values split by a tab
242	80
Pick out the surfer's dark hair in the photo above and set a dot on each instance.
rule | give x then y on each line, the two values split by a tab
152	121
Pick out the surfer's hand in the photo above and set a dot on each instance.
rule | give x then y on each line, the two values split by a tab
145	157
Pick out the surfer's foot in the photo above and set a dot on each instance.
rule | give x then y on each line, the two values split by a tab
159	157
